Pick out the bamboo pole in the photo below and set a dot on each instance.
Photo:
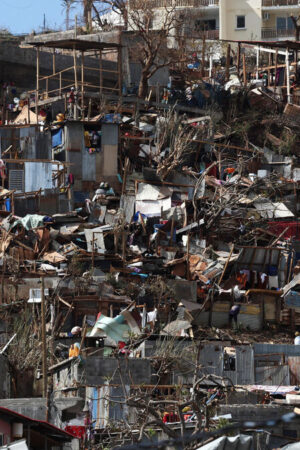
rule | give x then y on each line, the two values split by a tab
276	61
244	70
101	71
120	77
44	344
227	62
82	84
37	82
75	80
53	62
239	59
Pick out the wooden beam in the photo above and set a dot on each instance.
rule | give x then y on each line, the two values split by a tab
244	70
82	84
120	75
37	82
44	343
101	72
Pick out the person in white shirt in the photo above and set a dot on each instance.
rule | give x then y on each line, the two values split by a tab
297	338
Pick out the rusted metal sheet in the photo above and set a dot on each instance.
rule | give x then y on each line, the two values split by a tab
294	365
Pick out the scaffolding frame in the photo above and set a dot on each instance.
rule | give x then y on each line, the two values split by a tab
76	78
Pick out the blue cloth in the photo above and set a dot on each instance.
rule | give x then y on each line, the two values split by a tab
235	309
272	272
8	205
56	137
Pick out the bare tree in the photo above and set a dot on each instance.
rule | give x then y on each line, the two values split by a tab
151	28
67	6
297	27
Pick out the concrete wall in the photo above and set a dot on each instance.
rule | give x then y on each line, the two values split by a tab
134	370
35	408
230	9
19	65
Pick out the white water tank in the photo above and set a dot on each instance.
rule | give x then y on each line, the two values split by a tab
17	430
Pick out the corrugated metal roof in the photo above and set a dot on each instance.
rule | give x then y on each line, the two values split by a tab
286	349
258	258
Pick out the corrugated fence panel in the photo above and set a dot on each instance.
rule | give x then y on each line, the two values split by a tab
38	175
274	376
211	359
245	365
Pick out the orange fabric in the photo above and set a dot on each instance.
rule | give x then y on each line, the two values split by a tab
74	350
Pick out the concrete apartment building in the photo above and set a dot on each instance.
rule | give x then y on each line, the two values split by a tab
234	19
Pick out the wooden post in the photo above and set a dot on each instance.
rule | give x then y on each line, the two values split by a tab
172	230
276	62
101	72
93	251
82	85
13	203
75	80
75	31
124	245
53	62
28	112
239	60
126	165
60	83
210	66
44	344
227	62
37	83
226	264
288	85
89	110
269	71
244	70
120	77
188	257
203	55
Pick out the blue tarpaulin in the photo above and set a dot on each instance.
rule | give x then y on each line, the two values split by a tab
56	137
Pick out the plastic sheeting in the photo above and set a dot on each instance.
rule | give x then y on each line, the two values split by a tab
241	442
30	221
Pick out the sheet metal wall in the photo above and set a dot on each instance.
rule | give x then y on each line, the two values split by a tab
274	376
212	362
286	349
220	319
104	412
38	176
33	143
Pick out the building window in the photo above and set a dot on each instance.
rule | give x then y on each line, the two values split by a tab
240	22
204	25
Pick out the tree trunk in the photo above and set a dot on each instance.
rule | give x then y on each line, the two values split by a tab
143	86
67	17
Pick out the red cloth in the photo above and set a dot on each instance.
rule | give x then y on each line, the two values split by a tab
77	431
170	417
213	170
293	231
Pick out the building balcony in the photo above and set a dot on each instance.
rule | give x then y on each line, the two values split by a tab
180	3
268	4
277	33
210	35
